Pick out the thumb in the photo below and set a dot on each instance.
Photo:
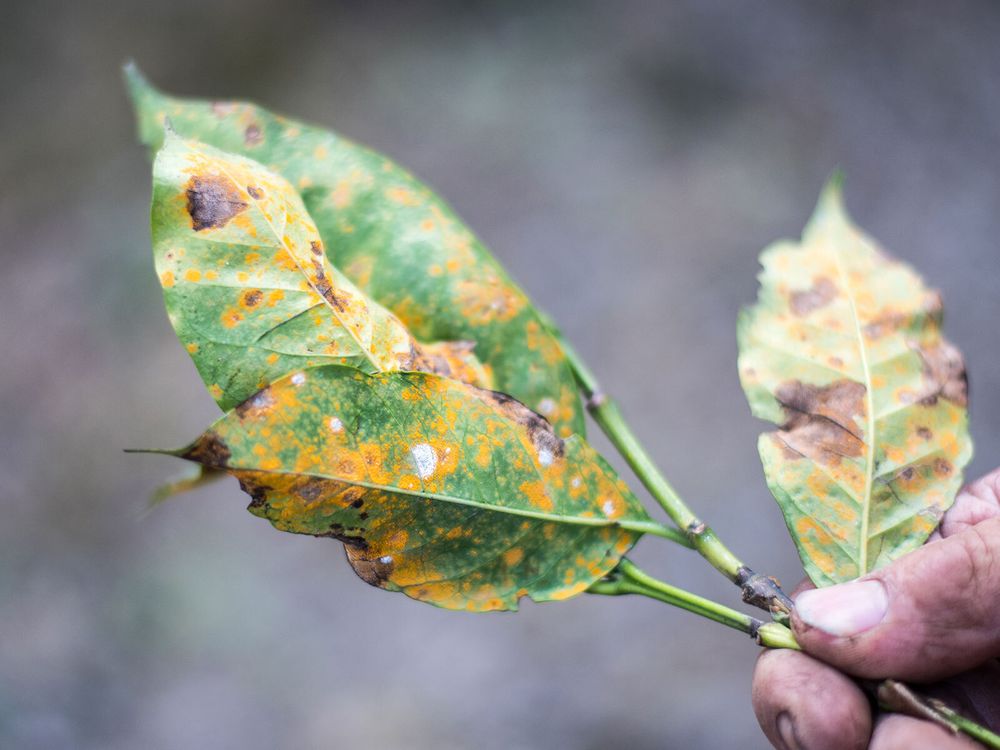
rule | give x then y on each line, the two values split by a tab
931	614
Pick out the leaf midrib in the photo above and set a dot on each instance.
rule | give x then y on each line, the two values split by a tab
640	526
869	442
279	239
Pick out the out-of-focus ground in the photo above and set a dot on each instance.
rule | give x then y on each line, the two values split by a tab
627	162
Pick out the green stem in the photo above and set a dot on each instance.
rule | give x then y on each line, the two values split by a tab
629	579
761	591
895	696
972	729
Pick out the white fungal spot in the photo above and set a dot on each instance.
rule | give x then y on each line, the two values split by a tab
298	378
336	425
424	459
386	559
546	406
545	457
575	482
608	508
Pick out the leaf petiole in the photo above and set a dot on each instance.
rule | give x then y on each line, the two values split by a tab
758	590
627	578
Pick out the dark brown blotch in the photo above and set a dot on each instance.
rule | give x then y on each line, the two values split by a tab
375	571
540	432
257	492
342	534
821	420
258	405
209	450
943	467
212	201
255	192
325	288
252	297
819	295
944	374
253	135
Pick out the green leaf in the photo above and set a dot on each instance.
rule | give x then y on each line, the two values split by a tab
394	238
249	289
456	496
844	351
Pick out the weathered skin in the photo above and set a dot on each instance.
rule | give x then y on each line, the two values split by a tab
457	496
844	350
249	289
392	237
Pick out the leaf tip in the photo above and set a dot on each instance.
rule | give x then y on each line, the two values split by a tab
136	82
830	206
176	452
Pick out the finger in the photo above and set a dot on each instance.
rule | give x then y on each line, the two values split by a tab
978	502
897	732
802	703
931	614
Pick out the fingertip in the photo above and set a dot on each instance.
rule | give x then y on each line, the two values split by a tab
802	703
898	732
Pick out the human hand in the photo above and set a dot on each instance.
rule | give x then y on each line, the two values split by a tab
933	616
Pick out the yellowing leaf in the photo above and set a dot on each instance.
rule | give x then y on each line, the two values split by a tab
844	351
394	238
249	288
456	496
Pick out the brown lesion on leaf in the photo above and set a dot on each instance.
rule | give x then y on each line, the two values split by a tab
943	467
819	295
820	422
889	321
438	363
209	450
316	247
350	536
256	490
255	192
375	571
325	288
540	432
258	405
944	373
253	135
212	201
251	297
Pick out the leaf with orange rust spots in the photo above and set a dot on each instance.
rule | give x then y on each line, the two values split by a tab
392	237
249	289
457	496
844	351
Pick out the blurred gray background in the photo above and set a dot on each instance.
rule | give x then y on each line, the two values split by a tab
627	161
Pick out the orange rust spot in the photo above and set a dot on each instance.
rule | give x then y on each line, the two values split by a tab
231	318
403	196
167	279
815	541
537	496
193	275
513	556
192	348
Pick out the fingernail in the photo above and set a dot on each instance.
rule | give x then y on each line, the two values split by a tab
786	731
845	609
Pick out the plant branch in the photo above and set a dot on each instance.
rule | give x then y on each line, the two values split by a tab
627	578
758	590
892	695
